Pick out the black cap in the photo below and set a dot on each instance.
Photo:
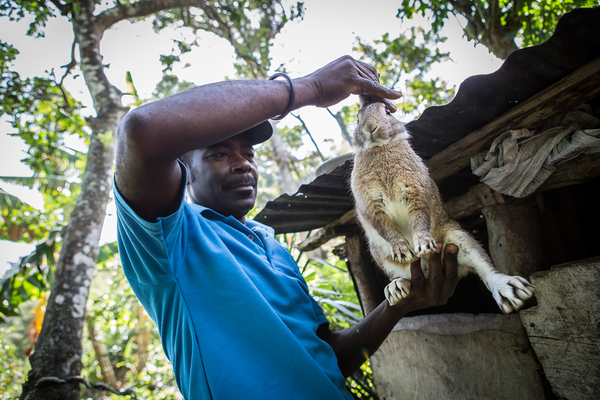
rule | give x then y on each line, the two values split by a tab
260	132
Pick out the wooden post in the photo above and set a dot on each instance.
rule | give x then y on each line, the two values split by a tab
361	269
515	239
564	328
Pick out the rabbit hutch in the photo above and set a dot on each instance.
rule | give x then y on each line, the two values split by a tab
516	156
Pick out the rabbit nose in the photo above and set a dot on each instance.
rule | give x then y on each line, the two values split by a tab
370	130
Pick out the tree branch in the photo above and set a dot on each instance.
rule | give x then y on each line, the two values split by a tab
299	118
64	9
142	8
340	120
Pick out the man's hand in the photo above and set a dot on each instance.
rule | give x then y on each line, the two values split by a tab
439	285
346	76
350	344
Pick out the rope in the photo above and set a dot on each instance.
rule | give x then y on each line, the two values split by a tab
52	380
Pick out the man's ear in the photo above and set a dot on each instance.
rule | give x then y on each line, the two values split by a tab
186	159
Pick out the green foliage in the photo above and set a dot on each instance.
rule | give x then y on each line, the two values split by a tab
361	384
17	95
44	127
292	136
130	339
120	327
248	25
31	279
44	117
12	366
43	114
170	85
15	10
21	222
409	53
405	60
426	93
538	18
496	24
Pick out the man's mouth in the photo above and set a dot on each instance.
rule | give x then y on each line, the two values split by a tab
242	183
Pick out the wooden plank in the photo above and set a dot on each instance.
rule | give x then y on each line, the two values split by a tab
576	171
564	328
327	232
457	357
571	91
361	269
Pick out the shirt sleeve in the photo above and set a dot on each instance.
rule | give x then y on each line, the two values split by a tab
142	245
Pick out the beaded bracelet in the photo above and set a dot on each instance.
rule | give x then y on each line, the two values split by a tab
292	95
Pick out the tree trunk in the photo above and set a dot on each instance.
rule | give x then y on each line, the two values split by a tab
58	349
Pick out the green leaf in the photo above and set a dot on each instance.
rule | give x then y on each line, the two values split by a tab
107	252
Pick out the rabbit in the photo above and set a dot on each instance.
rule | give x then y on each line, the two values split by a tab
402	214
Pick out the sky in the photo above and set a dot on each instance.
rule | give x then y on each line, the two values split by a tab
328	31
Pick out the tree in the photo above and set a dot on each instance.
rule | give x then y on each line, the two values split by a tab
497	23
58	350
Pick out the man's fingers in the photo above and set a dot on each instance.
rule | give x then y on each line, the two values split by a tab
390	106
367	71
345	76
436	274
373	87
450	263
451	268
416	274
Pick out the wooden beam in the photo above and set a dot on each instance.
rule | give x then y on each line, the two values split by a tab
571	91
327	232
576	171
361	269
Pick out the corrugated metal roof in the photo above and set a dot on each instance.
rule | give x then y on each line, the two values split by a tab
315	204
479	100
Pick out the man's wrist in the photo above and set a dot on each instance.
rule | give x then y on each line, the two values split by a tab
306	93
400	309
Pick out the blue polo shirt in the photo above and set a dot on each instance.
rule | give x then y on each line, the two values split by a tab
233	311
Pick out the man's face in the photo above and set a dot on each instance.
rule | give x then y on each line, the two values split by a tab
224	177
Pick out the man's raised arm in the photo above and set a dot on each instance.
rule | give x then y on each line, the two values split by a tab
151	137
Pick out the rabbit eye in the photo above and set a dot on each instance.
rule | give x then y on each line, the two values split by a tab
387	111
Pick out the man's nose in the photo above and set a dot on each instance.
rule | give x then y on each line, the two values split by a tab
240	164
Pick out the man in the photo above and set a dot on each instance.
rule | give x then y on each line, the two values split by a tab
233	311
